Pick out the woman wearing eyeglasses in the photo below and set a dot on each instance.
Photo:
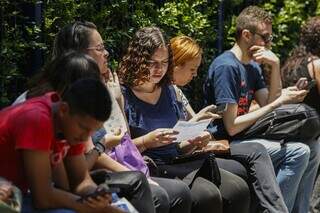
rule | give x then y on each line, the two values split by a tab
168	195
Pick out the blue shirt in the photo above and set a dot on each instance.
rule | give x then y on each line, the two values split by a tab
230	81
145	117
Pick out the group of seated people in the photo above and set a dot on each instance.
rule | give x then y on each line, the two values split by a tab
80	125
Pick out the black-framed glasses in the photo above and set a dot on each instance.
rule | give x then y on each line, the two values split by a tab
267	38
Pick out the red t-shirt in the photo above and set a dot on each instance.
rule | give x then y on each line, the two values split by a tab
30	126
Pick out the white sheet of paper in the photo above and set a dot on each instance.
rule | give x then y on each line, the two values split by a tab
116	119
189	130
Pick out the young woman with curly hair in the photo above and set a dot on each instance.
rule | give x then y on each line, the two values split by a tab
152	109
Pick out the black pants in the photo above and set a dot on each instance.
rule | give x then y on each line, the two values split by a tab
171	196
260	174
232	196
133	186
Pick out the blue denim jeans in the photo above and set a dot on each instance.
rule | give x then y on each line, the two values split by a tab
296	166
27	207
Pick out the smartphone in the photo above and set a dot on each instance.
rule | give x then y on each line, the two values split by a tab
101	191
221	108
311	84
300	84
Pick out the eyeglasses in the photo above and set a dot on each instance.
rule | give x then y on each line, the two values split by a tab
99	47
155	64
267	38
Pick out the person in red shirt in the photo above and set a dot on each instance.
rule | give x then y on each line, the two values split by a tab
37	135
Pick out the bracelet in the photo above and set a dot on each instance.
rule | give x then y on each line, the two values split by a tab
100	148
143	145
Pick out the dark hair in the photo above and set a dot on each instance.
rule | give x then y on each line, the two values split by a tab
73	36
63	71
88	97
310	35
134	68
309	45
249	18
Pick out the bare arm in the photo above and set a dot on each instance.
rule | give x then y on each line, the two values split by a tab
263	55
205	113
80	180
106	162
317	73
43	193
60	177
235	124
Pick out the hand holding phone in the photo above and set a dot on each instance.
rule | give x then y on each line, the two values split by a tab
302	83
220	109
311	84
101	190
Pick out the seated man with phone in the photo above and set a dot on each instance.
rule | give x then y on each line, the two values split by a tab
235	77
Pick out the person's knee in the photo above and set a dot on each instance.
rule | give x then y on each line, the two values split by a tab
138	177
161	199
240	191
206	195
299	151
183	198
235	192
255	150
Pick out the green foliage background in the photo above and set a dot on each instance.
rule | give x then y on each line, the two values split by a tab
117	20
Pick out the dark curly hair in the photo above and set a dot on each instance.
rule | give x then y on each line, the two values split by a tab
309	46
249	18
134	68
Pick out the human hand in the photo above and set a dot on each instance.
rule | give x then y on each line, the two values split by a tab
6	191
108	209
302	83
113	85
202	140
159	137
292	95
112	139
262	55
218	147
98	202
206	113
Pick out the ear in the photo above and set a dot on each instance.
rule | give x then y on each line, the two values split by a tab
246	35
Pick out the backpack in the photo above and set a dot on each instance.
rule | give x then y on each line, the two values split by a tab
291	122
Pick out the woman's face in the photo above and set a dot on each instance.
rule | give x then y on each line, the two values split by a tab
158	65
184	73
98	52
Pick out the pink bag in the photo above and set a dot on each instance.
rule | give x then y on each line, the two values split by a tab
128	155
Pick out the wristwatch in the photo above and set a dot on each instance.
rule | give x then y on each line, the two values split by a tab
99	147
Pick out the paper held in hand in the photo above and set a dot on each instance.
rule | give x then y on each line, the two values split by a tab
189	130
